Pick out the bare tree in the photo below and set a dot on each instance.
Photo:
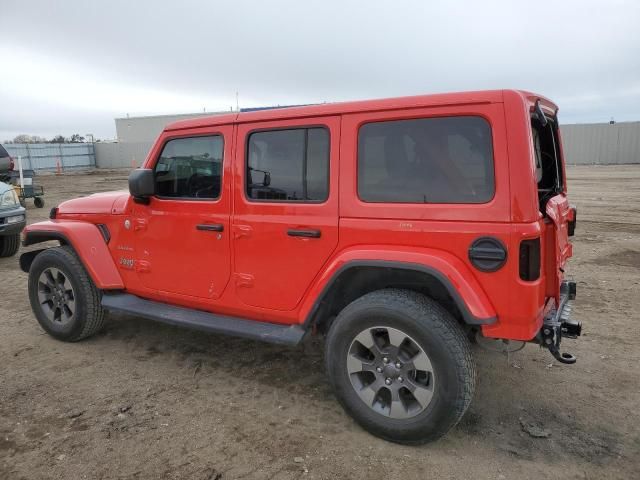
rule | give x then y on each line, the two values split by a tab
23	138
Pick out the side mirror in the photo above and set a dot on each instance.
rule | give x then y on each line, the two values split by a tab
142	184
267	179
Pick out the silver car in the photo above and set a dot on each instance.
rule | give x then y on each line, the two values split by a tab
13	219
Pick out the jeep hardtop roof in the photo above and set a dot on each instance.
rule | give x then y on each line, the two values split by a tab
441	99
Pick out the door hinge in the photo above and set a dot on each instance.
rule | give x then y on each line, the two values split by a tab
142	266
244	280
140	224
240	231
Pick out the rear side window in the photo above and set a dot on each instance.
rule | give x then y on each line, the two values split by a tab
428	160
3	152
288	165
190	168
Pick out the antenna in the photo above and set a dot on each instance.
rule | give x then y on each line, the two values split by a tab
237	102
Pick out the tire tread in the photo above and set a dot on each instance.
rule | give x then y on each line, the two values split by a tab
9	245
435	317
94	317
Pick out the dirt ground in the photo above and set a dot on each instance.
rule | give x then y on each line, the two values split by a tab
144	400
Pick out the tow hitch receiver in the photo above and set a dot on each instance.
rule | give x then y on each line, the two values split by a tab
558	324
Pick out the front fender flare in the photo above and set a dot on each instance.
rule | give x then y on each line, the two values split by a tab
455	276
88	243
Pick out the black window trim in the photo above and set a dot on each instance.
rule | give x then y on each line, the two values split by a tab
287	127
192	199
423	117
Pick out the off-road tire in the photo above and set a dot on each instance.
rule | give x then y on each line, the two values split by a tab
9	245
38	202
436	332
89	315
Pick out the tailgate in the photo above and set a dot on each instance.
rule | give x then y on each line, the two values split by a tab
558	249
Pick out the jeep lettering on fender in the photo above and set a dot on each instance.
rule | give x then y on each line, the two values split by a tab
399	229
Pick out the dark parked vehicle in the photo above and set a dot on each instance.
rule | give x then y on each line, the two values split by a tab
12	220
6	163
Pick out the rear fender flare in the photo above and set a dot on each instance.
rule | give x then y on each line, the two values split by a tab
451	272
85	239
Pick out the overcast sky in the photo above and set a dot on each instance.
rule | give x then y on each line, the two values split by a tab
73	66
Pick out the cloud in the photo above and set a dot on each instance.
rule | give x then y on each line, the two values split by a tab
78	63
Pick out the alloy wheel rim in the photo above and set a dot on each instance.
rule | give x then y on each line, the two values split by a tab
56	296
390	372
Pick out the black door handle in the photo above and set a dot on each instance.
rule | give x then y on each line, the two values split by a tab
304	233
210	227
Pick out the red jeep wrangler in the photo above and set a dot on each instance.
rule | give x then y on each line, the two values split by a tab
398	228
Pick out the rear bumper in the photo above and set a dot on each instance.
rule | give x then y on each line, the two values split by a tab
558	324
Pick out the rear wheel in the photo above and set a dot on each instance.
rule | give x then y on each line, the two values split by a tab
9	245
38	202
401	366
63	297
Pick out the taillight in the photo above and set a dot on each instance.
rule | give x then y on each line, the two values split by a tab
571	221
530	259
11	163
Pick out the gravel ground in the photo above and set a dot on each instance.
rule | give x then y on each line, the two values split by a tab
144	400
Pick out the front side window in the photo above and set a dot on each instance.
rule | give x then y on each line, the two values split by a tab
428	160
288	165
190	168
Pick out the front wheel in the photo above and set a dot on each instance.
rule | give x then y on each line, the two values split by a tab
9	245
63	297
400	365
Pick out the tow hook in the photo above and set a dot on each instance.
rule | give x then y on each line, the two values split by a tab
551	338
559	324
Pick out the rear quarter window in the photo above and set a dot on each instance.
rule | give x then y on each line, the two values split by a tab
427	160
3	152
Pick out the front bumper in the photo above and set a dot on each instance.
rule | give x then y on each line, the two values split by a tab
12	228
558	324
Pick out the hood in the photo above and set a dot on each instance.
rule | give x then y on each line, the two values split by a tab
99	203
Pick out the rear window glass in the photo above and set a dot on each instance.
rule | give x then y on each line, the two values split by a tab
428	160
3	152
288	165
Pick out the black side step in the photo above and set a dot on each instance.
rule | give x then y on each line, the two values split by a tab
204	321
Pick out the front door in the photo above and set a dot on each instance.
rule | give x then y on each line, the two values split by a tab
285	222
182	235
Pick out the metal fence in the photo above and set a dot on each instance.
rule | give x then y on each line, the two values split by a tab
589	144
601	143
51	156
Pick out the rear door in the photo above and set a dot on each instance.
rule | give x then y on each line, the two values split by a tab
285	222
552	197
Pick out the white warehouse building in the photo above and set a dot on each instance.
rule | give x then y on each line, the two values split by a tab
596	143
